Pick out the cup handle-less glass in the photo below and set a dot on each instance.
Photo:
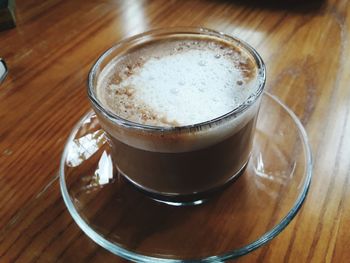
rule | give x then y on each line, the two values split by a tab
182	175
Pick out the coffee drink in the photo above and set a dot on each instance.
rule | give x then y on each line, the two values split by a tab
179	110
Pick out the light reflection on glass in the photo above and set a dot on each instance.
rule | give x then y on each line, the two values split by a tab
104	171
84	147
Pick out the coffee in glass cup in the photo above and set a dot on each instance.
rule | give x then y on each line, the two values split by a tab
179	108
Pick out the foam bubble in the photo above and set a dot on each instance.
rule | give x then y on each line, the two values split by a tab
195	84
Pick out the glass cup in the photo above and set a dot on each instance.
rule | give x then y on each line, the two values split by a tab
180	165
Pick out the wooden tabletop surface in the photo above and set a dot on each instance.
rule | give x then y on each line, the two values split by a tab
306	48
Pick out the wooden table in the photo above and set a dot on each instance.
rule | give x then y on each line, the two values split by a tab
306	48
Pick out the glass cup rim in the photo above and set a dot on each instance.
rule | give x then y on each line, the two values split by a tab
118	120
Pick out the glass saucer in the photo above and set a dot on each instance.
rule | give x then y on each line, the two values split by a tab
247	214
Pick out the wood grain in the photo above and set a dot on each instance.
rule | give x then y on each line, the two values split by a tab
305	46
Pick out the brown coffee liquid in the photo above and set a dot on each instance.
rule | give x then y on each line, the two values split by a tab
185	173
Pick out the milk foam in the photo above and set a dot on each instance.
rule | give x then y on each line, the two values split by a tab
186	87
176	82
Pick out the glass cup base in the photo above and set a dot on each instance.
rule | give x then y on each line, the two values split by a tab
189	199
